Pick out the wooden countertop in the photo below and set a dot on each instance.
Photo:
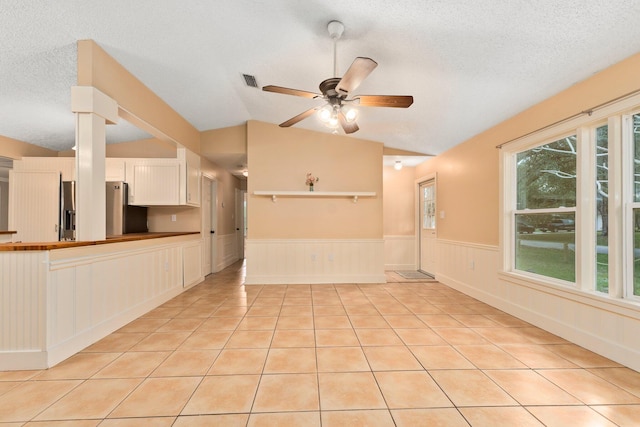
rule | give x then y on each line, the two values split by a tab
47	246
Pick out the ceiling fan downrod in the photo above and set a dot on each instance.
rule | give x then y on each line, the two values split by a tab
335	28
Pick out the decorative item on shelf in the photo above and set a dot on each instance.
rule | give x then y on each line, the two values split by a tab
311	180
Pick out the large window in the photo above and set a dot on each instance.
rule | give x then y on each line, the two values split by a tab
545	215
572	203
602	208
635	226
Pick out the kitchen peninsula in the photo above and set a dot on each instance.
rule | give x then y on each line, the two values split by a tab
60	297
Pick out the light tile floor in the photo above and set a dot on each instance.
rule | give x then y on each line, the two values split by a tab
404	353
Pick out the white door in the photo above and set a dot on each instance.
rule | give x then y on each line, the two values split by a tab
427	215
206	225
240	215
34	205
214	226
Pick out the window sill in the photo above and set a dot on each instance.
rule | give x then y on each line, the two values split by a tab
619	306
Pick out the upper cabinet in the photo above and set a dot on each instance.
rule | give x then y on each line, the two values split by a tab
65	166
191	163
34	200
114	169
152	182
164	182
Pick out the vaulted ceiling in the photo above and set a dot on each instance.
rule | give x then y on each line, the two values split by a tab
469	65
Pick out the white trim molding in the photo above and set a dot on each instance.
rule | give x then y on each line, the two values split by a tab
227	251
603	325
400	252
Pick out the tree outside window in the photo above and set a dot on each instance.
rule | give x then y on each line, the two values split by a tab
545	212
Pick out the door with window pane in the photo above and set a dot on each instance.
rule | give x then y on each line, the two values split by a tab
427	216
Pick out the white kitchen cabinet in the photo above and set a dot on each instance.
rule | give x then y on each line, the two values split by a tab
34	203
65	166
153	182
191	191
115	170
164	182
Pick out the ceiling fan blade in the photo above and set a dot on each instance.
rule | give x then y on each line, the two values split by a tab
292	121
357	72
287	91
346	126
397	101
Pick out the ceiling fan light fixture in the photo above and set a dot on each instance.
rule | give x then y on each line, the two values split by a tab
398	165
333	122
350	113
337	92
325	113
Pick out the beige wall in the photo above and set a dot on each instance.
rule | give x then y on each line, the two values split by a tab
14	149
231	141
399	201
467	175
147	110
280	158
144	148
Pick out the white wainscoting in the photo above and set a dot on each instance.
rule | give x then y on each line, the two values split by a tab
192	261
227	252
400	252
604	326
314	261
55	303
23	287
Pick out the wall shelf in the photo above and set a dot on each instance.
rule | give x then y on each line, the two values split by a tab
315	194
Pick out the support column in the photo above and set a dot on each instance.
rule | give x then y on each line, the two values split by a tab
93	111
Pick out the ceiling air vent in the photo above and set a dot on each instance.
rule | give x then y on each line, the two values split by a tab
250	80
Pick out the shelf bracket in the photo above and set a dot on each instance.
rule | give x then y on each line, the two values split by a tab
274	198
355	199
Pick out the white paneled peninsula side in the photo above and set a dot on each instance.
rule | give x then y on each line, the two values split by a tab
60	297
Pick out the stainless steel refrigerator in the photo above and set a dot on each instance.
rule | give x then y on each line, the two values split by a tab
67	228
122	218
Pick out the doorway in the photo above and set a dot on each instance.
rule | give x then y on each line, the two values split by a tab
241	221
209	225
214	226
427	226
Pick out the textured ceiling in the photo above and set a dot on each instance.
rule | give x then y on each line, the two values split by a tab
468	64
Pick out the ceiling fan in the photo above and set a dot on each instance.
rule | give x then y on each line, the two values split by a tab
338	110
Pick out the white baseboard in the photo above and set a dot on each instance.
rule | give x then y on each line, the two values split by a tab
325	279
400	267
595	324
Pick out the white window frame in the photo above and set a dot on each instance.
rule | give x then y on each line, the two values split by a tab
514	212
621	203
627	228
